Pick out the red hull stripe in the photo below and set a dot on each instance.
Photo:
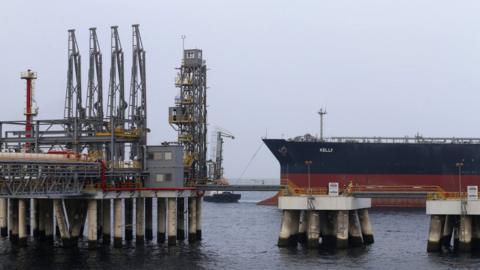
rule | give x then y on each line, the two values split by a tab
449	183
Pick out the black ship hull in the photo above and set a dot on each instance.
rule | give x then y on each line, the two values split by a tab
384	164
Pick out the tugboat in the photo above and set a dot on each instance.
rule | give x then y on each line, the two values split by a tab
222	197
216	173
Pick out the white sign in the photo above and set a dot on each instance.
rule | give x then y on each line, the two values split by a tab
472	193
333	189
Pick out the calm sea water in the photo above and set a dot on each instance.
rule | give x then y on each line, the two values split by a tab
244	236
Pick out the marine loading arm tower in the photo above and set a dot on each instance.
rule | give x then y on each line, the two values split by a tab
138	96
87	132
218	163
189	116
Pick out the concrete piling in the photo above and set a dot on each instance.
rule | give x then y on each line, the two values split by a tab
355	238
180	219
172	221
341	227
302	228
22	222
289	228
99	219
106	205
447	231
61	219
199	217
41	224
335	220
435	233
162	219
465	233
192	219
327	228
35	218
13	219
128	220
140	219
475	232
313	229
57	230
76	214
148	219
47	220
3	217
92	224
455	236
366	226
69	216
28	221
117	223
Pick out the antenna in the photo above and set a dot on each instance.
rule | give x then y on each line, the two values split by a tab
183	42
322	113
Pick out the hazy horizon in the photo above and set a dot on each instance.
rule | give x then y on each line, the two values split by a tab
381	68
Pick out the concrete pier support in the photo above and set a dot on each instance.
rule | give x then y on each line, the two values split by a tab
61	219
172	221
447	231
465	234
313	229
117	223
41	224
327	228
76	213
366	226
13	219
148	219
475	232
289	228
4	217
180	219
192	219
92	224
22	221
456	238
199	218
341	227
99	219
107	224
140	219
435	233
35	218
128	221
162	219
302	228
28	226
355	238
47	220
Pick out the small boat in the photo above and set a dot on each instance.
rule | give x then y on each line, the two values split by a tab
223	197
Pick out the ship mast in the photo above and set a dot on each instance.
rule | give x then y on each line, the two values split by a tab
322	113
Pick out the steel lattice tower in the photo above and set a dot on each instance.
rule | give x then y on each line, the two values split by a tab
95	84
117	106
189	116
74	112
73	100
138	95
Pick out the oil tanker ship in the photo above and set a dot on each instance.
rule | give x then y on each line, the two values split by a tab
413	162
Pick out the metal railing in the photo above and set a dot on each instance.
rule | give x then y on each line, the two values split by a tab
447	195
406	139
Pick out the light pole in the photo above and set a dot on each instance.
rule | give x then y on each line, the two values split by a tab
308	163
322	113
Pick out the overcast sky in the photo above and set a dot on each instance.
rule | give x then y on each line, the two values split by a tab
381	68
